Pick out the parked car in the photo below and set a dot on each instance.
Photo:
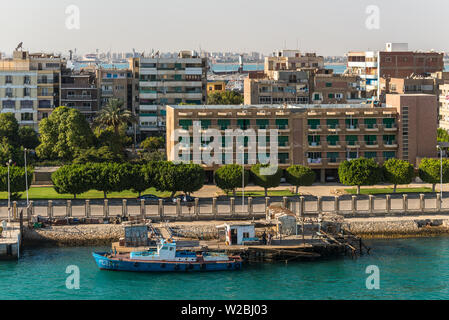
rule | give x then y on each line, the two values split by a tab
150	198
184	198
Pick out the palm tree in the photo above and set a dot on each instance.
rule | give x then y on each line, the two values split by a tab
113	115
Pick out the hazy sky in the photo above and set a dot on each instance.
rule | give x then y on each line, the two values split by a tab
329	27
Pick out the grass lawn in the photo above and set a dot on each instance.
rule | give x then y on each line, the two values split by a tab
388	190
261	193
43	193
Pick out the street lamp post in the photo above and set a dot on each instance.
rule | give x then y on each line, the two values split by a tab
26	175
441	173
9	192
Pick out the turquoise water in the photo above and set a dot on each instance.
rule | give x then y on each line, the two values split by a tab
409	269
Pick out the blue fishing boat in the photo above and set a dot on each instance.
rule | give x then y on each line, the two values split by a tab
167	259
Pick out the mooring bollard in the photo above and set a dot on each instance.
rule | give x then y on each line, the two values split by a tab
354	204
438	202
143	209
404	203
302	206
250	206
124	208
14	210
68	209
337	204
106	208
178	208
422	203
196	209
285	202
161	209
214	207
232	204
319	204
388	203
30	210
50	209
371	204
87	209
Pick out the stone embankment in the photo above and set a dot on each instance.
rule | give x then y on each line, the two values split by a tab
79	235
399	227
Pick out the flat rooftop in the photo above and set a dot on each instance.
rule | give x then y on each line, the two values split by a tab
290	107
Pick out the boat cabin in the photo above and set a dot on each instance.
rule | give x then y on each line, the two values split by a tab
238	233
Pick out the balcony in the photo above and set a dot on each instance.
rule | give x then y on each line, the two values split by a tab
390	128
336	145
352	128
78	97
371	127
352	144
333	128
315	145
390	144
316	128
315	162
371	144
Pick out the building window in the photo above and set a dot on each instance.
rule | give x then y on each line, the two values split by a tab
26	117
8	80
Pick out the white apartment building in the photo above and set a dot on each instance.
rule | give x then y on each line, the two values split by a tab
165	81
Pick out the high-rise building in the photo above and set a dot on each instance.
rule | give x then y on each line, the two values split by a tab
163	81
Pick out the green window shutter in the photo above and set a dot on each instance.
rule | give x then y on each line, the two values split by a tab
282	123
313	123
262	123
370	123
388	122
370	138
283	141
223	123
205	124
332	140
332	155
332	123
316	96
351	140
370	155
330	95
283	157
328	84
185	124
178	77
353	155
352	122
389	154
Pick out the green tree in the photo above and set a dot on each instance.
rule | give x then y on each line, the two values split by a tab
72	179
430	171
9	128
106	177
10	152
230	177
16	178
139	179
225	98
114	115
178	177
442	135
298	175
359	172
398	171
116	142
63	133
153	144
28	138
100	155
265	181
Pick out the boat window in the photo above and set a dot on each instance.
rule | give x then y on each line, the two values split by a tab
171	249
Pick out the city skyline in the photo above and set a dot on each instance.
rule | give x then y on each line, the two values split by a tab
215	27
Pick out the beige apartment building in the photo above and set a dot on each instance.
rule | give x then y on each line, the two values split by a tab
18	90
318	136
292	60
